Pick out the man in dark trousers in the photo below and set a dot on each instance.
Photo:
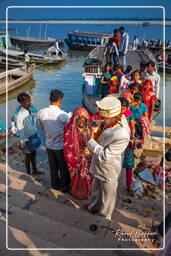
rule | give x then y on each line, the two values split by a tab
53	121
26	124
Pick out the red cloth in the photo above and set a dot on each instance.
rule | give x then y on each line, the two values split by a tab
95	116
148	95
78	165
129	177
127	113
146	125
117	40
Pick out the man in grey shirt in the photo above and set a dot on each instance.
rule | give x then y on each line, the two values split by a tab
53	121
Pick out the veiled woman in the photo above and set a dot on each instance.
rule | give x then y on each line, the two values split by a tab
77	154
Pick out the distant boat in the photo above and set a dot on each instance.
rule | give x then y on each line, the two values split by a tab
31	44
16	78
146	23
86	41
12	63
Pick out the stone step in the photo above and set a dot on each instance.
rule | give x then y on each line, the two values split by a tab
56	232
20	239
75	218
27	183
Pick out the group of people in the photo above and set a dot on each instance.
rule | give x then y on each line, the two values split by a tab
138	92
155	43
84	157
85	152
117	47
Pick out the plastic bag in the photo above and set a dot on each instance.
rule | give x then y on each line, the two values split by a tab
137	188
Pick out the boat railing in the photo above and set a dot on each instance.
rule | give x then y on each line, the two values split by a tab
92	70
97	53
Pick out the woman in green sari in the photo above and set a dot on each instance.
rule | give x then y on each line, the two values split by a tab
105	81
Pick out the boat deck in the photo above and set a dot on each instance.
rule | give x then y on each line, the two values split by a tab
133	57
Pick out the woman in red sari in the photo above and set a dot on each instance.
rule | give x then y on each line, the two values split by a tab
77	155
149	97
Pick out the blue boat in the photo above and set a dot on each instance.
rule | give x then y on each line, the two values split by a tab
86	41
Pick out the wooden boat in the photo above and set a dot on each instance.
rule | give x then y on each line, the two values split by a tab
159	49
167	68
86	41
15	77
48	58
12	63
146	23
30	43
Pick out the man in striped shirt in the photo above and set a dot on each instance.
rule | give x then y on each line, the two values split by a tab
27	127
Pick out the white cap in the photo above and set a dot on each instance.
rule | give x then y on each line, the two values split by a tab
109	107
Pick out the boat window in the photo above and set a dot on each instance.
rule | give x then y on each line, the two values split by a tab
98	41
84	40
69	37
80	39
94	41
89	40
74	38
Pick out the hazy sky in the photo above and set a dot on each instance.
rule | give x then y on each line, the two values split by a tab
71	13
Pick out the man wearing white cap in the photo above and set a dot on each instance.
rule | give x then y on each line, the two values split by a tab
107	147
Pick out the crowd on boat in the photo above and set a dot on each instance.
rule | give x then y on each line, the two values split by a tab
155	43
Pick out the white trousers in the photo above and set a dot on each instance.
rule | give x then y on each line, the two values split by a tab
103	196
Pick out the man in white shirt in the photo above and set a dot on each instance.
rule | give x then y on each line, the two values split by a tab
53	121
26	125
151	73
123	47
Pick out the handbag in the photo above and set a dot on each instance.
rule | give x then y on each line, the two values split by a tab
34	141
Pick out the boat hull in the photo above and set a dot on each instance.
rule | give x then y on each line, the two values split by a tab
46	61
80	47
23	77
167	69
33	44
11	63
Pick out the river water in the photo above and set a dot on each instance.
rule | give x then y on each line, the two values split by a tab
68	75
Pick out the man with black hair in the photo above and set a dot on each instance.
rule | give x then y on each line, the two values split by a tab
123	48
28	131
151	73
53	121
142	66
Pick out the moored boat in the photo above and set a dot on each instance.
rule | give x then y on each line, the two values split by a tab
50	56
11	63
14	79
86	41
31	44
167	68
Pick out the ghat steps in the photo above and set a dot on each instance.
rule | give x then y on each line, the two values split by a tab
40	217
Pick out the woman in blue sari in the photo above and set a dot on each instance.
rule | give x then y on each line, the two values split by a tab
105	81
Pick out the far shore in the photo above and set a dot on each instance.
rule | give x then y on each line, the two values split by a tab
98	22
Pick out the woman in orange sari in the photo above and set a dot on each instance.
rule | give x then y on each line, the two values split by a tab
77	155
